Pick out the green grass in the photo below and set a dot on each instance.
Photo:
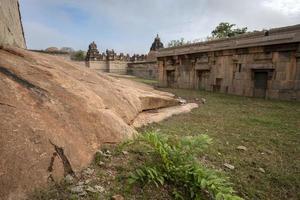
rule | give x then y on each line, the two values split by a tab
146	81
269	129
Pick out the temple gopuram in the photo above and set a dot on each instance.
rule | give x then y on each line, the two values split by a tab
93	53
157	44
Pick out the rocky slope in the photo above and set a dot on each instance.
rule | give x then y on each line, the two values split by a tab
55	115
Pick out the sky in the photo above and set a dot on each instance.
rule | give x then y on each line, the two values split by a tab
130	26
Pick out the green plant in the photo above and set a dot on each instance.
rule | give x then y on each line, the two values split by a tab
78	55
178	166
176	43
225	30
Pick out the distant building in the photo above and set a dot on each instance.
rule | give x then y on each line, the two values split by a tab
144	66
259	64
93	53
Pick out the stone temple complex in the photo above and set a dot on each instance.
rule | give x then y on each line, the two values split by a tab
139	65
259	64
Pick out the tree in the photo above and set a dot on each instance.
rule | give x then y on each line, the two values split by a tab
176	43
67	49
78	55
226	30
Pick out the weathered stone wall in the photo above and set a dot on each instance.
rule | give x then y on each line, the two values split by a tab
147	70
117	66
11	29
111	66
98	65
234	71
261	64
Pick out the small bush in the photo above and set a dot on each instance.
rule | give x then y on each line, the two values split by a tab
179	167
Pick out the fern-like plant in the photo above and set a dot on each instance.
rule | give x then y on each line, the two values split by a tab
178	166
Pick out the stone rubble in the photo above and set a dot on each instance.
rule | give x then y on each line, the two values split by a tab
243	148
229	166
118	197
262	170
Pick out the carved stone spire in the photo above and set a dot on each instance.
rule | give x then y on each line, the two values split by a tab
93	53
157	44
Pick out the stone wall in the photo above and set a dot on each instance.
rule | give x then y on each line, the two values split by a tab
111	66
261	64
11	30
117	66
147	70
237	71
98	65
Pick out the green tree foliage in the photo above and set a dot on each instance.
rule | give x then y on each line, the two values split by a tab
227	30
178	165
67	49
176	43
78	55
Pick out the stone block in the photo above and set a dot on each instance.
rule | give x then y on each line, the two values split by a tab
281	66
272	94
280	76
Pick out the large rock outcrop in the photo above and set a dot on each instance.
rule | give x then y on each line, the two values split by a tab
11	29
55	115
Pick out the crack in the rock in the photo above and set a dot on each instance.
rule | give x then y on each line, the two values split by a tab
65	161
36	89
5	104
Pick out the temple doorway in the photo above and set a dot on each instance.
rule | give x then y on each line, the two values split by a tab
203	79
170	78
260	84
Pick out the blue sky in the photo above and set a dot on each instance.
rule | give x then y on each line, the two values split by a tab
131	25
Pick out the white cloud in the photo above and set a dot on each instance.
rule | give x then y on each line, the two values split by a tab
287	7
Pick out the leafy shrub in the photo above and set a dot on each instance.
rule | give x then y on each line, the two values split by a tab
178	166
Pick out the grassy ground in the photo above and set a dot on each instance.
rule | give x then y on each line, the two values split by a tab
269	129
268	169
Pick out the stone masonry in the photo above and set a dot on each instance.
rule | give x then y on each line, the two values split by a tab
259	64
144	66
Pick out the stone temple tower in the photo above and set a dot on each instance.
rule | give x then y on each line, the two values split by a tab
156	45
93	53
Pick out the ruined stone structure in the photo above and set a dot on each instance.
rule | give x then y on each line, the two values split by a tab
11	29
259	64
144	66
109	61
147	68
93	53
157	44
